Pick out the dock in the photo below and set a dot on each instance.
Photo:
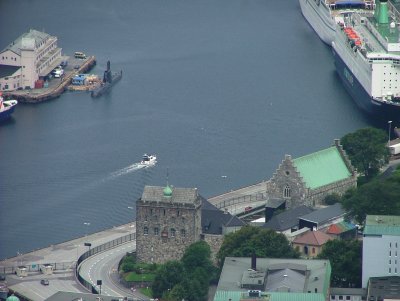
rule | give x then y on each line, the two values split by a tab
57	86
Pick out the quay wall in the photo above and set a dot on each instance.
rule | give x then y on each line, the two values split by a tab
34	96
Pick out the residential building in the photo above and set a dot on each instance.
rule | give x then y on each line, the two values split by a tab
342	230
381	247
310	243
31	56
276	279
348	294
383	288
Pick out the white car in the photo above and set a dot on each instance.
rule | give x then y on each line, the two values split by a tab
58	73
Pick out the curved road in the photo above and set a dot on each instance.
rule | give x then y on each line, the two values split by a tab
103	266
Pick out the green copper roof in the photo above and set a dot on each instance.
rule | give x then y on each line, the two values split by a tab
268	296
382	225
12	298
322	168
167	191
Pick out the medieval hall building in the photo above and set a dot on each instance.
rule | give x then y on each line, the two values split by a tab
309	179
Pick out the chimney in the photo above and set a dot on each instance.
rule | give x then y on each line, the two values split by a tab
254	261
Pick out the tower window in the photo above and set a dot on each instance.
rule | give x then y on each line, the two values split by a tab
145	231
183	233
173	232
156	231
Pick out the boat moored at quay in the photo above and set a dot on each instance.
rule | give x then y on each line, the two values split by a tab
323	15
366	53
7	107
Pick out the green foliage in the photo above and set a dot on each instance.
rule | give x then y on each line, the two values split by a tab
379	196
167	276
367	150
265	243
128	263
332	199
132	276
196	255
177	293
346	263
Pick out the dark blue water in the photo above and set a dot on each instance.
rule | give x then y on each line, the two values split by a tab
213	87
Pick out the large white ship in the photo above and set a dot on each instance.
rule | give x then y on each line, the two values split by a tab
366	51
323	15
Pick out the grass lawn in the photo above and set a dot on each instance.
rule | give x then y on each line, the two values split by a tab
132	276
146	291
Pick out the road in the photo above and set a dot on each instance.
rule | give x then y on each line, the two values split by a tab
103	266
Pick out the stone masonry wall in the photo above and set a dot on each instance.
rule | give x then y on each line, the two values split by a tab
287	174
215	243
171	227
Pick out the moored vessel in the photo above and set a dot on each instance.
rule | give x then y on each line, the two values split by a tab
323	15
109	79
7	107
366	52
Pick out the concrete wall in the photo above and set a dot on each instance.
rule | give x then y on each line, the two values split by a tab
381	257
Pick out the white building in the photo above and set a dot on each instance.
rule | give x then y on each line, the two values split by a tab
31	56
381	247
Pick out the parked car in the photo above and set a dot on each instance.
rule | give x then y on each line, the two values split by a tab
44	282
247	209
58	73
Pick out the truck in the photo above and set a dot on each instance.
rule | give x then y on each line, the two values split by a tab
394	149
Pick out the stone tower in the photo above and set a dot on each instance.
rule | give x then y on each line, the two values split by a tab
167	221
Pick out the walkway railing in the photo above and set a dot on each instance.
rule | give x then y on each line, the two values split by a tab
101	248
241	199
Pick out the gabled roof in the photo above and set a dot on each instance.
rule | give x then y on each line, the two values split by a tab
340	228
325	214
213	219
287	219
322	168
313	238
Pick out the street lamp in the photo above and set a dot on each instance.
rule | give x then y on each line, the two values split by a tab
390	126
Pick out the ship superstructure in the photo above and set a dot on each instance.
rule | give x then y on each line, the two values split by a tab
323	15
366	50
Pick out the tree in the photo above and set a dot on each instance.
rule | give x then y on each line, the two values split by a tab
367	150
265	243
345	257
196	255
331	199
167	276
379	196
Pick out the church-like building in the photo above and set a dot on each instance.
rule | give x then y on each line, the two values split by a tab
309	179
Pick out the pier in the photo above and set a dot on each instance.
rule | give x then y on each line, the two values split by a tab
57	86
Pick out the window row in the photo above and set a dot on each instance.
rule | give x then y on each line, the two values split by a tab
164	233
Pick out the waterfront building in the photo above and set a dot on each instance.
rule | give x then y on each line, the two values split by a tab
169	219
30	57
309	179
381	247
251	278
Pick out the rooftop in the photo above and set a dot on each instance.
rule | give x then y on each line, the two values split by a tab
325	214
28	39
322	168
287	219
317	273
179	195
382	225
313	238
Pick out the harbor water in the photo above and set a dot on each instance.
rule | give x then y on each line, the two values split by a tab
219	90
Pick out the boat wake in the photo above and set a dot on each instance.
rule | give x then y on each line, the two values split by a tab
126	170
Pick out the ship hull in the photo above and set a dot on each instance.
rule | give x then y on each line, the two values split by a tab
319	18
7	113
360	96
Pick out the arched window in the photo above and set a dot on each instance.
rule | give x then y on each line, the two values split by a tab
286	191
145	230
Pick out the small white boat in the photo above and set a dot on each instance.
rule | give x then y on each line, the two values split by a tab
149	159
